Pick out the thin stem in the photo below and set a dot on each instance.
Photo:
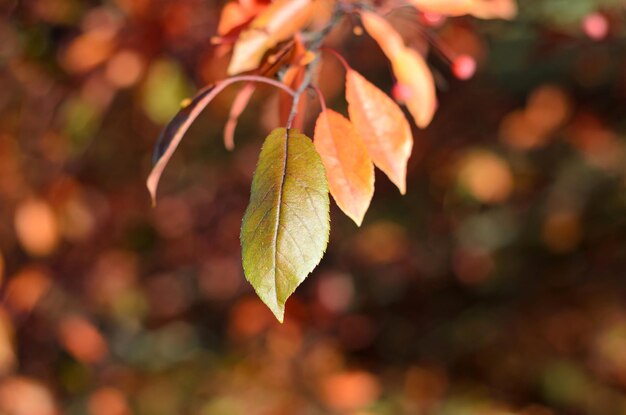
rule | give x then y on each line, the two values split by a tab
308	75
261	79
336	54
314	44
204	97
442	49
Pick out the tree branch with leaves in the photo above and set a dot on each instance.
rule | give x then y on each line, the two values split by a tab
286	226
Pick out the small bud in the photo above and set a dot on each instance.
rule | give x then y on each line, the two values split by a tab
464	67
401	93
357	30
596	26
185	102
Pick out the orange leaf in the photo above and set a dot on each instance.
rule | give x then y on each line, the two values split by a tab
383	126
233	15
279	21
408	66
383	33
413	73
484	9
349	168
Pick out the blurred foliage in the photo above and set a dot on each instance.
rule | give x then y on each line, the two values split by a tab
496	286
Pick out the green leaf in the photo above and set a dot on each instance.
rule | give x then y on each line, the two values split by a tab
285	228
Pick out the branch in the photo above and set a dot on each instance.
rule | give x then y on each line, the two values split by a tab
173	133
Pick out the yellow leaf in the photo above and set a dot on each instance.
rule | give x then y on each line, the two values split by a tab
279	21
408	66
349	169
286	225
484	9
382	125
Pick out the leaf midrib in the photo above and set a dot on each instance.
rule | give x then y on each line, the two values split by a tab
279	212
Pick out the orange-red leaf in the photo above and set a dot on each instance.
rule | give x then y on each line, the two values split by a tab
348	166
484	9
383	126
408	66
277	22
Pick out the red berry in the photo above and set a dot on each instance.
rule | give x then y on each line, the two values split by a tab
433	19
401	93
464	67
596	26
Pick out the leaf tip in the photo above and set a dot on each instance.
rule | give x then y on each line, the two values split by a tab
357	217
276	308
280	316
401	184
423	121
151	184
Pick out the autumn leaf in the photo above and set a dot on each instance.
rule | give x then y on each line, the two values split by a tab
415	77
286	225
382	125
276	23
234	15
409	68
349	169
173	133
383	33
484	9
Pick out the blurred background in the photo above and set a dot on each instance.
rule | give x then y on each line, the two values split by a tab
497	285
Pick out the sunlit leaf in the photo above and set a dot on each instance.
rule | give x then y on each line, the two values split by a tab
383	33
409	67
276	23
484	9
383	126
234	14
348	166
286	225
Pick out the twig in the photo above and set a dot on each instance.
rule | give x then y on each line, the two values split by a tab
336	54
306	81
